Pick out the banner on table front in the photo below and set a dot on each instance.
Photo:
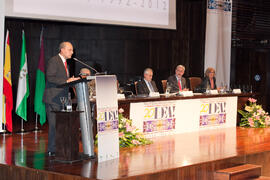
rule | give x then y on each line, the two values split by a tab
107	118
213	112
218	38
158	118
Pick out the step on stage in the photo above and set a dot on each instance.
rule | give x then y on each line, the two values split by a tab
193	155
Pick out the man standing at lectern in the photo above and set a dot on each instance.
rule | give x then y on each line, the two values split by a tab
56	74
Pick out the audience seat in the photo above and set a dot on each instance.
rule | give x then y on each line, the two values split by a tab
164	85
194	82
136	89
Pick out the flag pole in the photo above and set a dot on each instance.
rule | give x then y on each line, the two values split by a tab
36	126
22	130
4	130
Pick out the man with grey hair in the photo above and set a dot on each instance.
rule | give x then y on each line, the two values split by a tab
57	73
147	85
177	82
84	72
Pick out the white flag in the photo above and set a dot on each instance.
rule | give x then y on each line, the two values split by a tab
218	39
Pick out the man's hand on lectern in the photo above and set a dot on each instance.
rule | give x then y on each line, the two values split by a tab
72	79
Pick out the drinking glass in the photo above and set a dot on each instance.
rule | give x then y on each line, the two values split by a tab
168	89
225	88
222	85
207	90
63	102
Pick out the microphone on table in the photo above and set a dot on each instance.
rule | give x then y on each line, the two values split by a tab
90	67
131	93
122	91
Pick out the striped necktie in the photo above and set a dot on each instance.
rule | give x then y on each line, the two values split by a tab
151	87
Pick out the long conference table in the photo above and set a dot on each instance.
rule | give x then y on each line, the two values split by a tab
165	115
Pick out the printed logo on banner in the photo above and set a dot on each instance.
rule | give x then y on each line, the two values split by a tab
212	113
159	118
221	5
107	119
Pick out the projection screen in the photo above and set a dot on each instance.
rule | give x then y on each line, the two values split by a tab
143	13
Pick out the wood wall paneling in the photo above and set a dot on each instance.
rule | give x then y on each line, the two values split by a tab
126	51
120	50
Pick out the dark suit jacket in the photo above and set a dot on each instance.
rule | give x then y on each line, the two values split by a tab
205	83
142	88
55	75
172	81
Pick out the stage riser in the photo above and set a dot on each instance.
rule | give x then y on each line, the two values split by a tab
21	173
203	171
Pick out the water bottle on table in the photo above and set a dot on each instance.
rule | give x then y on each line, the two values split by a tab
69	103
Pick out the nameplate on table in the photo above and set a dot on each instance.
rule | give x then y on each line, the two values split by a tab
90	77
154	94
186	93
120	96
236	91
214	91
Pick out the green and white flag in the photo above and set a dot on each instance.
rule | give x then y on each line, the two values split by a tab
23	86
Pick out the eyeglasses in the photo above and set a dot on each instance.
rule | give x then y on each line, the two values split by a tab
180	70
84	74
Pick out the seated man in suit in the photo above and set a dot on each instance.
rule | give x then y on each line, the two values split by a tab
147	85
177	82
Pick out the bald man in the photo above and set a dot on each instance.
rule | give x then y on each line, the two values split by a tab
57	73
147	85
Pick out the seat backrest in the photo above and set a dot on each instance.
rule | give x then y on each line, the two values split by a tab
136	89
164	85
194	82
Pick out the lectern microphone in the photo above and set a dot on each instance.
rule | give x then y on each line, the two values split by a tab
85	65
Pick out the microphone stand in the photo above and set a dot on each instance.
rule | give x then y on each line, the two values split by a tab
86	65
131	93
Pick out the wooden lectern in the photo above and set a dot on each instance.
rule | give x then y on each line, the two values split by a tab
67	136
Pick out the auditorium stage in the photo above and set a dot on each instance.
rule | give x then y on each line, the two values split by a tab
193	155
